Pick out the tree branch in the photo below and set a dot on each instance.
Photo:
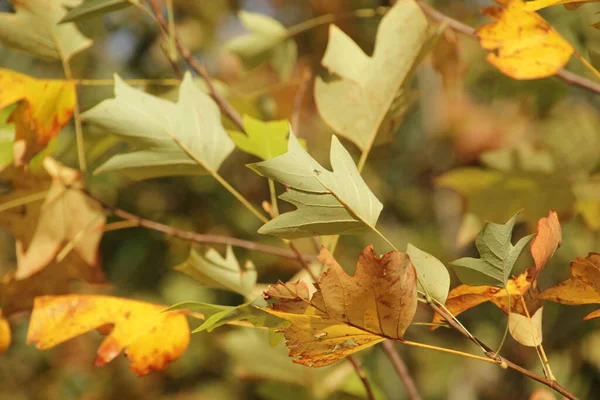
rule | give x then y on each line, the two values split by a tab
224	105
401	370
568	77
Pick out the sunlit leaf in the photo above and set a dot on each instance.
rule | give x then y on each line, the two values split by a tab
524	45
355	105
151	339
430	272
181	138
498	255
36	29
91	8
347	313
213	270
328	203
45	106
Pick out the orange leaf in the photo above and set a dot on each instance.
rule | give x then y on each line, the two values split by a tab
45	107
582	288
525	46
547	240
151	339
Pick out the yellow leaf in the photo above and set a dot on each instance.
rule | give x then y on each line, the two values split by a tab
5	335
151	339
347	313
525	46
569	4
45	107
67	218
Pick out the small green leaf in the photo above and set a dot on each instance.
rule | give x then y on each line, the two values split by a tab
265	42
213	270
498	255
262	139
90	8
329	203
432	274
182	138
355	105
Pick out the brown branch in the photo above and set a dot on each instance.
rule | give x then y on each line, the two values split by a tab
224	105
568	77
401	370
363	377
501	360
196	237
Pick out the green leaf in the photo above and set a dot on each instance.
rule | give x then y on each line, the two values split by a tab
498	255
328	203
35	29
90	8
497	195
213	270
431	273
262	139
356	104
182	138
267	41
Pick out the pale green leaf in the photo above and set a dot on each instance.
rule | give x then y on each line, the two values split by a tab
213	270
328	203
35	28
355	105
498	255
90	8
267	41
182	138
262	139
432	274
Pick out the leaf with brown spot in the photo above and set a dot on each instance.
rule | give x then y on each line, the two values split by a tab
45	106
150	338
524	45
347	313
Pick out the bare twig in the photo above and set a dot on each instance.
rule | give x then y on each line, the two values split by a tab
566	76
363	377
224	105
401	370
196	237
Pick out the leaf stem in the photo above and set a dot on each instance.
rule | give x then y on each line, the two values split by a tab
401	370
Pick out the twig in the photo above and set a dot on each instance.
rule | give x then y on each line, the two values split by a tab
224	105
193	236
401	370
566	76
363	377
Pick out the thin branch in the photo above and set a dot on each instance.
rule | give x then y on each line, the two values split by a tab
193	236
566	76
402	370
224	105
363	377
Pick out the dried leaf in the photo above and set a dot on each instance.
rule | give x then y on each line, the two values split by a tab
582	288
36	29
151	339
328	203
347	313
45	107
525	46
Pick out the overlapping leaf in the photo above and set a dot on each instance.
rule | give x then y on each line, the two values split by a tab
267	40
45	106
356	104
524	45
151	339
36	29
582	288
329	203
498	255
347	313
181	138
213	270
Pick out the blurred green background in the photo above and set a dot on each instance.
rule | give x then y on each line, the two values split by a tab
464	113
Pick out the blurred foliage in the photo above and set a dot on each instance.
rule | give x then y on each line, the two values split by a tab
465	110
